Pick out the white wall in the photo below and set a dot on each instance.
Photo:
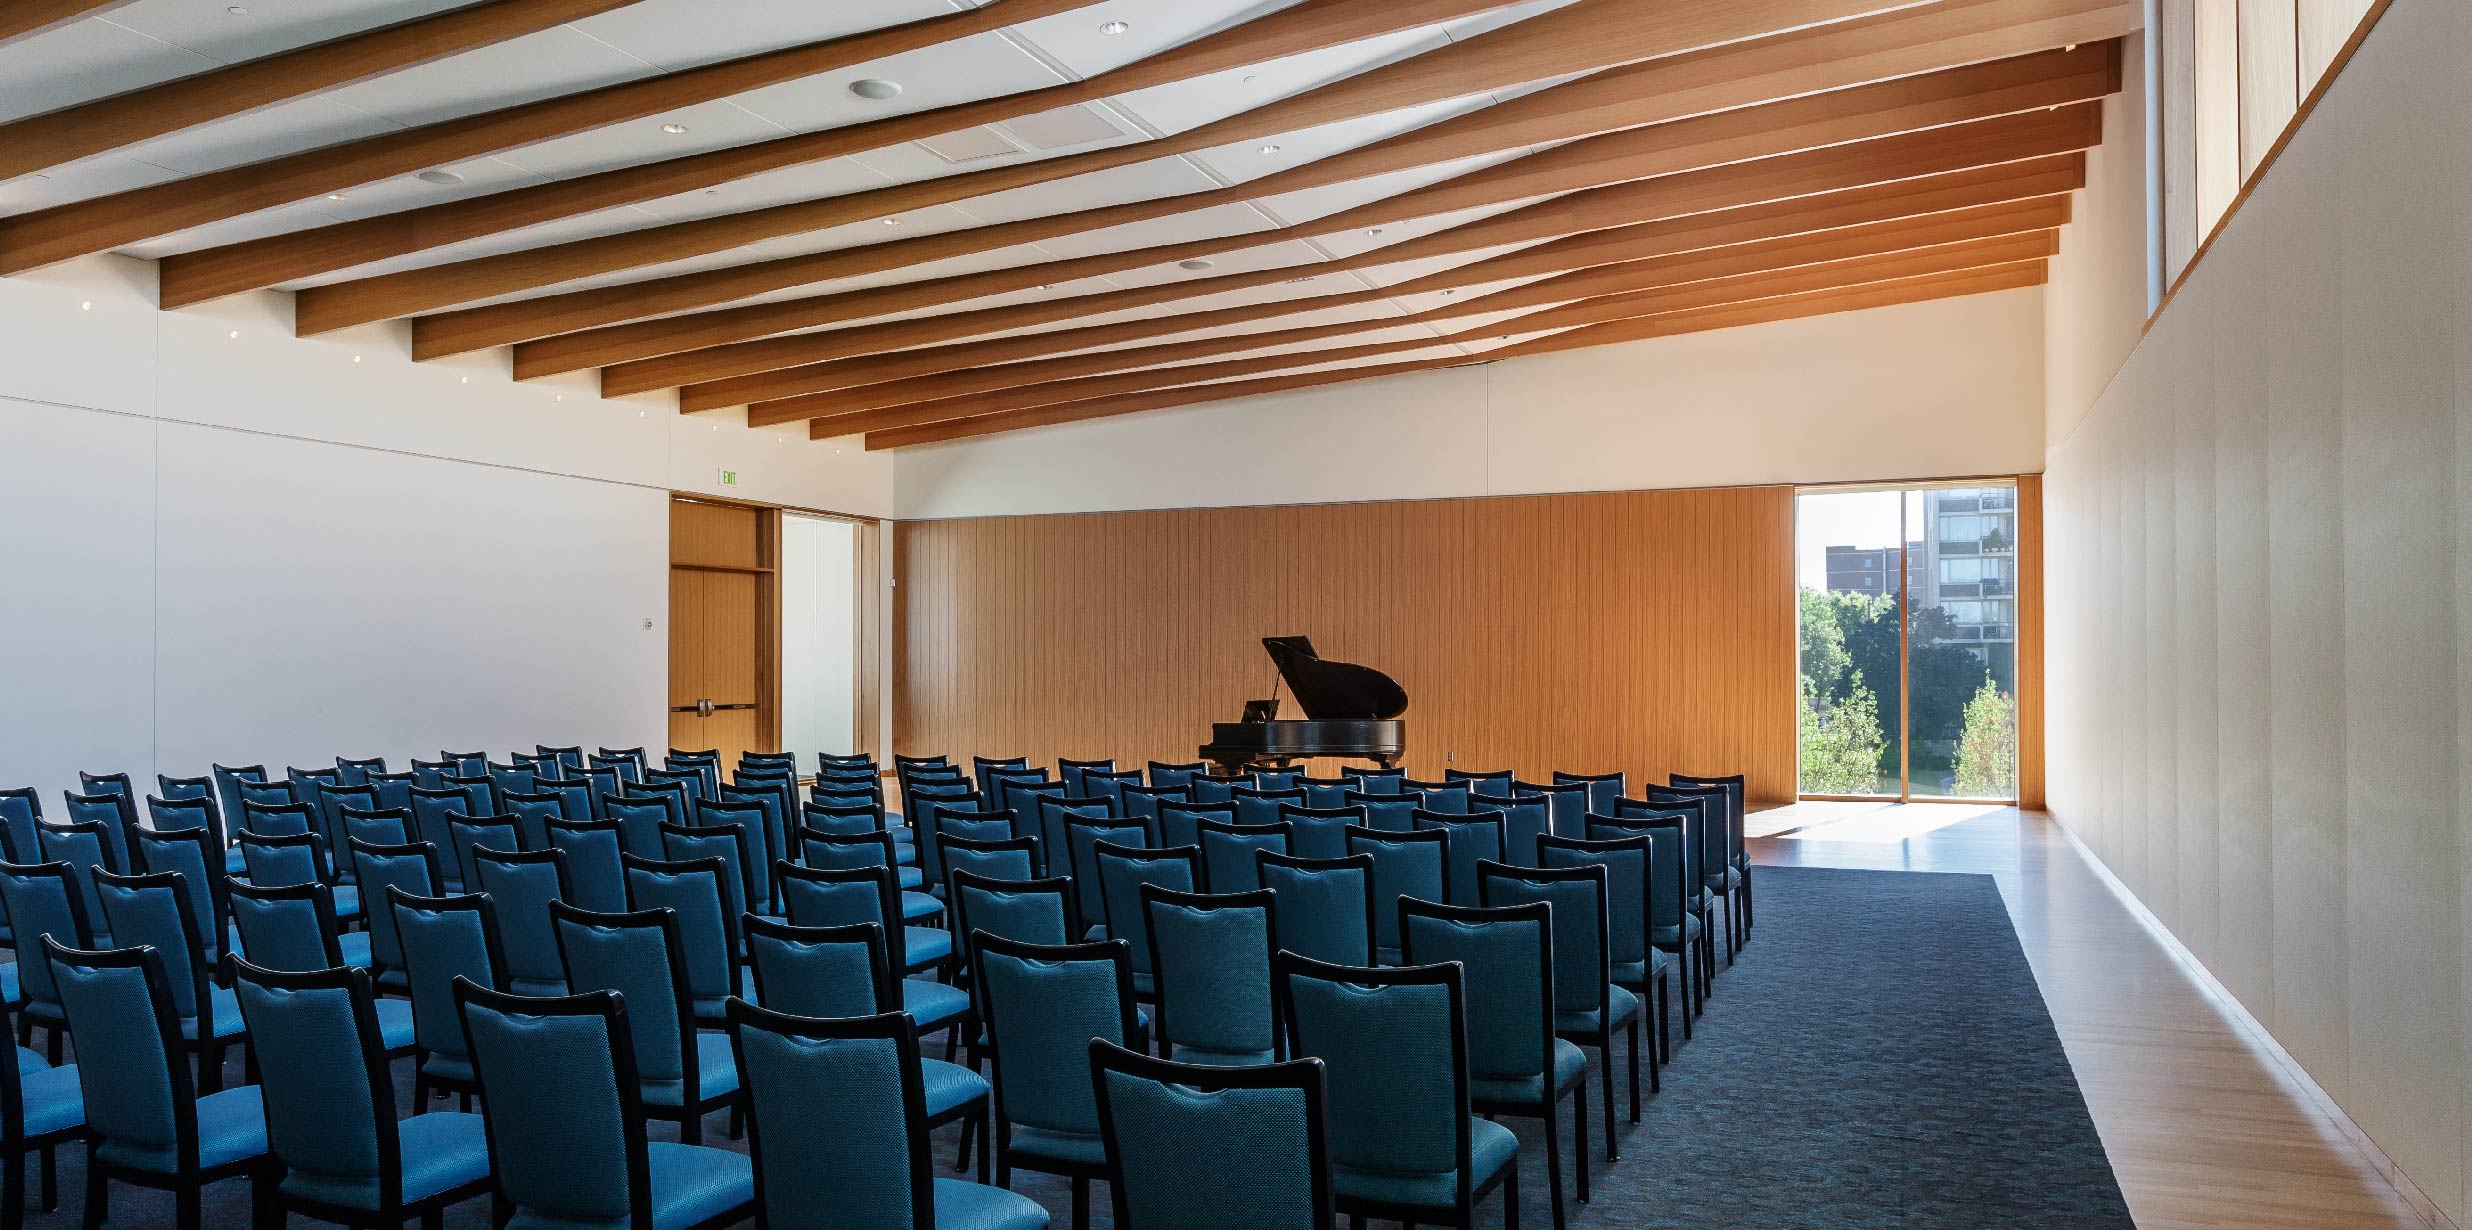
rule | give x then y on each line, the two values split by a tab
819	636
222	542
1953	387
2094	306
2258	599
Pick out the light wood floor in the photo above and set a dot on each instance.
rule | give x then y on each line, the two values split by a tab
2203	1125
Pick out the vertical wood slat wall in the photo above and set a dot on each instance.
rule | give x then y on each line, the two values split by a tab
725	624
2030	641
1651	632
867	680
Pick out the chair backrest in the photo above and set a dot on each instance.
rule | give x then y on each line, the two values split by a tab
228	779
1525	818
123	793
19	810
1670	890
1082	839
1374	781
521	884
821	971
467	764
605	782
430	808
192	855
595	859
639	819
509	779
289	929
1394	813
44	902
764	805
1630	871
414	867
1055	815
1582	972
322	1070
1228	850
1261	806
758	845
172	815
533	812
696	895
573	796
1124	871
1326	791
1404	865
1174	775
1162	1120
155	910
431	774
118	1004
1215	788
1142	802
1496	783
639	956
1567	801
1042	1004
736	847
1322	832
919	800
1470	838
1029	911
1212	953
837	818
627	764
1394	1048
1732	784
1451	797
1325	906
393	789
280	862
983	767
1277	779
1603	788
1180	824
563	1109
1071	771
1509	951
333	801
445	940
1012	859
466	834
1711	827
1022	794
954	821
1109	785
84	847
571	757
866	1069
356	772
384	826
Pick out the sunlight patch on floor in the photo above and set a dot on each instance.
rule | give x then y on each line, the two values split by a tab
1876	822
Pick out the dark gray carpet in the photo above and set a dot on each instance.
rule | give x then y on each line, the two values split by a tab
1878	1057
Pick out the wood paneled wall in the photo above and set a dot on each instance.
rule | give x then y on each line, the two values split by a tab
1645	631
725	626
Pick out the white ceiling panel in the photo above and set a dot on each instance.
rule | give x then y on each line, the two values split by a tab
806	182
1469	27
92	178
210	29
1229	220
678	34
1266	256
1078	39
1141	181
709	126
1250	160
1461	326
83	61
236	230
582	226
1408	271
481	176
1181	105
1432	300
256	135
981	66
536	66
1322	202
1384	234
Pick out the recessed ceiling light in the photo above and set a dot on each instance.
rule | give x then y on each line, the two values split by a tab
439	177
356	358
233	335
237	11
875	87
1251	78
1373	230
87	306
674	129
1270	149
337	196
1115	27
892	222
2070	47
466	380
1195	263
1448	293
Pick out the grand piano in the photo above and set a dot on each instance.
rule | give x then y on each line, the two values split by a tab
1350	711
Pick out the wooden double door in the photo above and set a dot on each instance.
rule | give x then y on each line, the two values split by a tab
725	628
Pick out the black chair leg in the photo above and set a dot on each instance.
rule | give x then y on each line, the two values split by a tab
1510	1197
1652	1071
1553	1162
1081	1203
188	1212
691	1129
13	1192
51	1048
98	1195
1605	1067
1579	1136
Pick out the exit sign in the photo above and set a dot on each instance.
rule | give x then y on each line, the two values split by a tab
729	478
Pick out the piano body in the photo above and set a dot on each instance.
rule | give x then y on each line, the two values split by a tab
1350	711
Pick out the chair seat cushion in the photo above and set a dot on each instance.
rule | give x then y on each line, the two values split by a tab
949	1086
1221	1059
440	1066
355	945
932	1004
395	1030
1570	1065
1620	1003
536	986
1638	974
30	1060
228	1023
442	1150
910	876
1490	1148
919	905
925	945
231	1127
976	1206
9	990
695	1184
1675	937
234	862
53	1099
1073	1148
347	902
716	1073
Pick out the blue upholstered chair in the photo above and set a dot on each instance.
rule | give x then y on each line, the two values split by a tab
1445	796
765	802
695	893
1174	775
838	897
1322	832
954	820
1021	789
1260	806
1394	1049
1163	1122
1374	781
1712	831
1123	872
467	764
1028	911
1217	788
1673	928
1082	838
1496	784
1516	1066
1637	964
868	1071
1588	1007
228	780
1392	813
744	889
520	886
20	808
332	803
394	790
1211	965
835	972
506	779
190	854
1055	815
1404	865
466	834
445	940
639	819
122	821
1042	1005
571	757
532	813
856	822
560	1094
1277	779
854	760
85	849
874	849
1736	857
1143	802
627	764
431	774
920	798
1325	906
1469	839
150	1128
1326	791
41	1109
1016	858
573	796
341	1154
1568	803
307	783
43	903
356	772
1703	846
1603	788
293	928
984	768
188	812
301	858
1070	771
430	809
414	867
1228	850
595	862
154	910
383	826
705	764
681	1074
1525	818
605	783
1180	824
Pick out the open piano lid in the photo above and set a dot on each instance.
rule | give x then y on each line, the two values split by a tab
1333	691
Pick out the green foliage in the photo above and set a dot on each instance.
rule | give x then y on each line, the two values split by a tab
1841	741
1987	751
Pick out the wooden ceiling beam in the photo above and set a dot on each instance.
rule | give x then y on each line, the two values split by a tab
858	377
27	18
1906	43
723	372
232	268
109	222
900	404
1973	92
1785	307
1607	292
1583	37
86	129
